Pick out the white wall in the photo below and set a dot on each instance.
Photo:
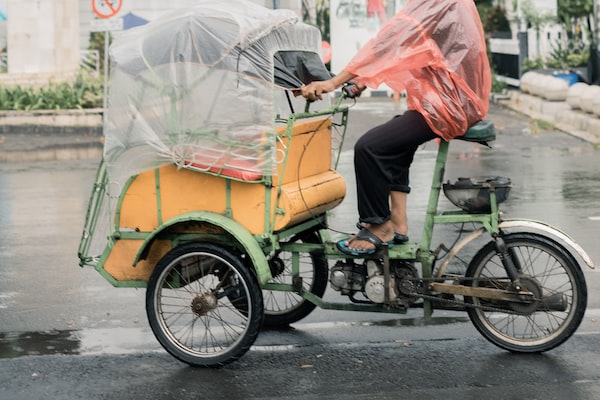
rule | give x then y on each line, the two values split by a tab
43	36
351	29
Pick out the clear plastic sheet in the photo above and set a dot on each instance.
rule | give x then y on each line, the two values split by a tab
201	88
436	51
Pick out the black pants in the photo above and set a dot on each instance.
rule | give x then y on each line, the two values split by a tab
382	158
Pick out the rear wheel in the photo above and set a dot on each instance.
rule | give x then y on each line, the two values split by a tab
203	305
549	272
283	308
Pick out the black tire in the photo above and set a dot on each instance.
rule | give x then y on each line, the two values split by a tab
284	308
547	269
203	305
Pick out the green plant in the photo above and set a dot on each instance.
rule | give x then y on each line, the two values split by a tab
532	64
536	19
493	17
577	16
97	43
564	58
497	86
85	91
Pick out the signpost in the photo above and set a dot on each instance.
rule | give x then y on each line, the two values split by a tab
106	10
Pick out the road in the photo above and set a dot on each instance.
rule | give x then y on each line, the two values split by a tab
65	333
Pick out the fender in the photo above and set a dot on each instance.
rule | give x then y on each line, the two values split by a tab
241	234
512	224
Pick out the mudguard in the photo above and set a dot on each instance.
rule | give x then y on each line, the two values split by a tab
521	225
241	235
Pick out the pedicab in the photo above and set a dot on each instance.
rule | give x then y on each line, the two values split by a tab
216	185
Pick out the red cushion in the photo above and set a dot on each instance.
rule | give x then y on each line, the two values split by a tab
239	169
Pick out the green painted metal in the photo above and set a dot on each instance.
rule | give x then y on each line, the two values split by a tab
244	239
158	196
257	247
117	221
228	210
351	306
92	215
270	223
424	256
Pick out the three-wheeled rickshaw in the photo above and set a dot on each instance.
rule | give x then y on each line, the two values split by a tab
216	183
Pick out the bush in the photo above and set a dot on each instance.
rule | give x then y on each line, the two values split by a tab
497	86
532	64
85	92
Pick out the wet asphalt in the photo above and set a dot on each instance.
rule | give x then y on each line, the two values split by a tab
65	333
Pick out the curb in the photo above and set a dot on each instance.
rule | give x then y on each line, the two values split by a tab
50	135
574	122
86	117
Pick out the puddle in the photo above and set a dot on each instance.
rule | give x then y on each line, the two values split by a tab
77	342
435	321
14	345
134	340
418	321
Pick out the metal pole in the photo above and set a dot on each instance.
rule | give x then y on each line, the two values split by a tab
105	99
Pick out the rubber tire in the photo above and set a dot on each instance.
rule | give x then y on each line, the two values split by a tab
285	315
546	250
250	316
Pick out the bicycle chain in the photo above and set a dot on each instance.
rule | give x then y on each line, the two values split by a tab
461	303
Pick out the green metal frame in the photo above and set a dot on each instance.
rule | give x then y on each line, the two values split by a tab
412	251
255	246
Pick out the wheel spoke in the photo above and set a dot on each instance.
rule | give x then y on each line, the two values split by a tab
550	274
203	305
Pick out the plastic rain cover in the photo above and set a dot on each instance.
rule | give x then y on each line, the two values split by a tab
436	51
199	87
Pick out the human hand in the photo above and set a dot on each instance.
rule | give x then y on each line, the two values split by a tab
315	90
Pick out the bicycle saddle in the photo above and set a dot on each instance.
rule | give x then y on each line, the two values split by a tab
482	132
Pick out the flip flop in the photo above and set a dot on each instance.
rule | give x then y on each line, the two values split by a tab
399	238
367	236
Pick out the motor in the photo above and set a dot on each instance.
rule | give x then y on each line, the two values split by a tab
368	278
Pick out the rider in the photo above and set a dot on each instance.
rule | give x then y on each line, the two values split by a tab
436	51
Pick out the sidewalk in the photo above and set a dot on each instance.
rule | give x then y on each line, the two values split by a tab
50	135
77	134
574	122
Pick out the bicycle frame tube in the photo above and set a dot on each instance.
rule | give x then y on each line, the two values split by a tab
434	195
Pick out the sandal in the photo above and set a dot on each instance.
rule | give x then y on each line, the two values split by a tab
367	236
399	238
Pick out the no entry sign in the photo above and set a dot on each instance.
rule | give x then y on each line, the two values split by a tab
106	8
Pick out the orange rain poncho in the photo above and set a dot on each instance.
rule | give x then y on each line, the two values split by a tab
435	49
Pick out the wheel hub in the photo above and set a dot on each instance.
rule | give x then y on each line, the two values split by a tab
533	286
202	304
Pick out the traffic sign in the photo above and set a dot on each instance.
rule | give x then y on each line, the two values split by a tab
106	8
106	25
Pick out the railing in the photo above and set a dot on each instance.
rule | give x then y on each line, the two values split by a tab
89	60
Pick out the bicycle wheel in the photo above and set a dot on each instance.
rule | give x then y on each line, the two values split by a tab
550	273
283	308
203	305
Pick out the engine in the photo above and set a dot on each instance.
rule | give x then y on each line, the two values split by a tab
368	278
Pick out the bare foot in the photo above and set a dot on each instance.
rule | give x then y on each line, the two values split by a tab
401	228
385	232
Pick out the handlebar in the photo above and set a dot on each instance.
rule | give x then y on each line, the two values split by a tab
350	90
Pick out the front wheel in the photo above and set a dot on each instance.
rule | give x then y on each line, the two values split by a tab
548	271
203	305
